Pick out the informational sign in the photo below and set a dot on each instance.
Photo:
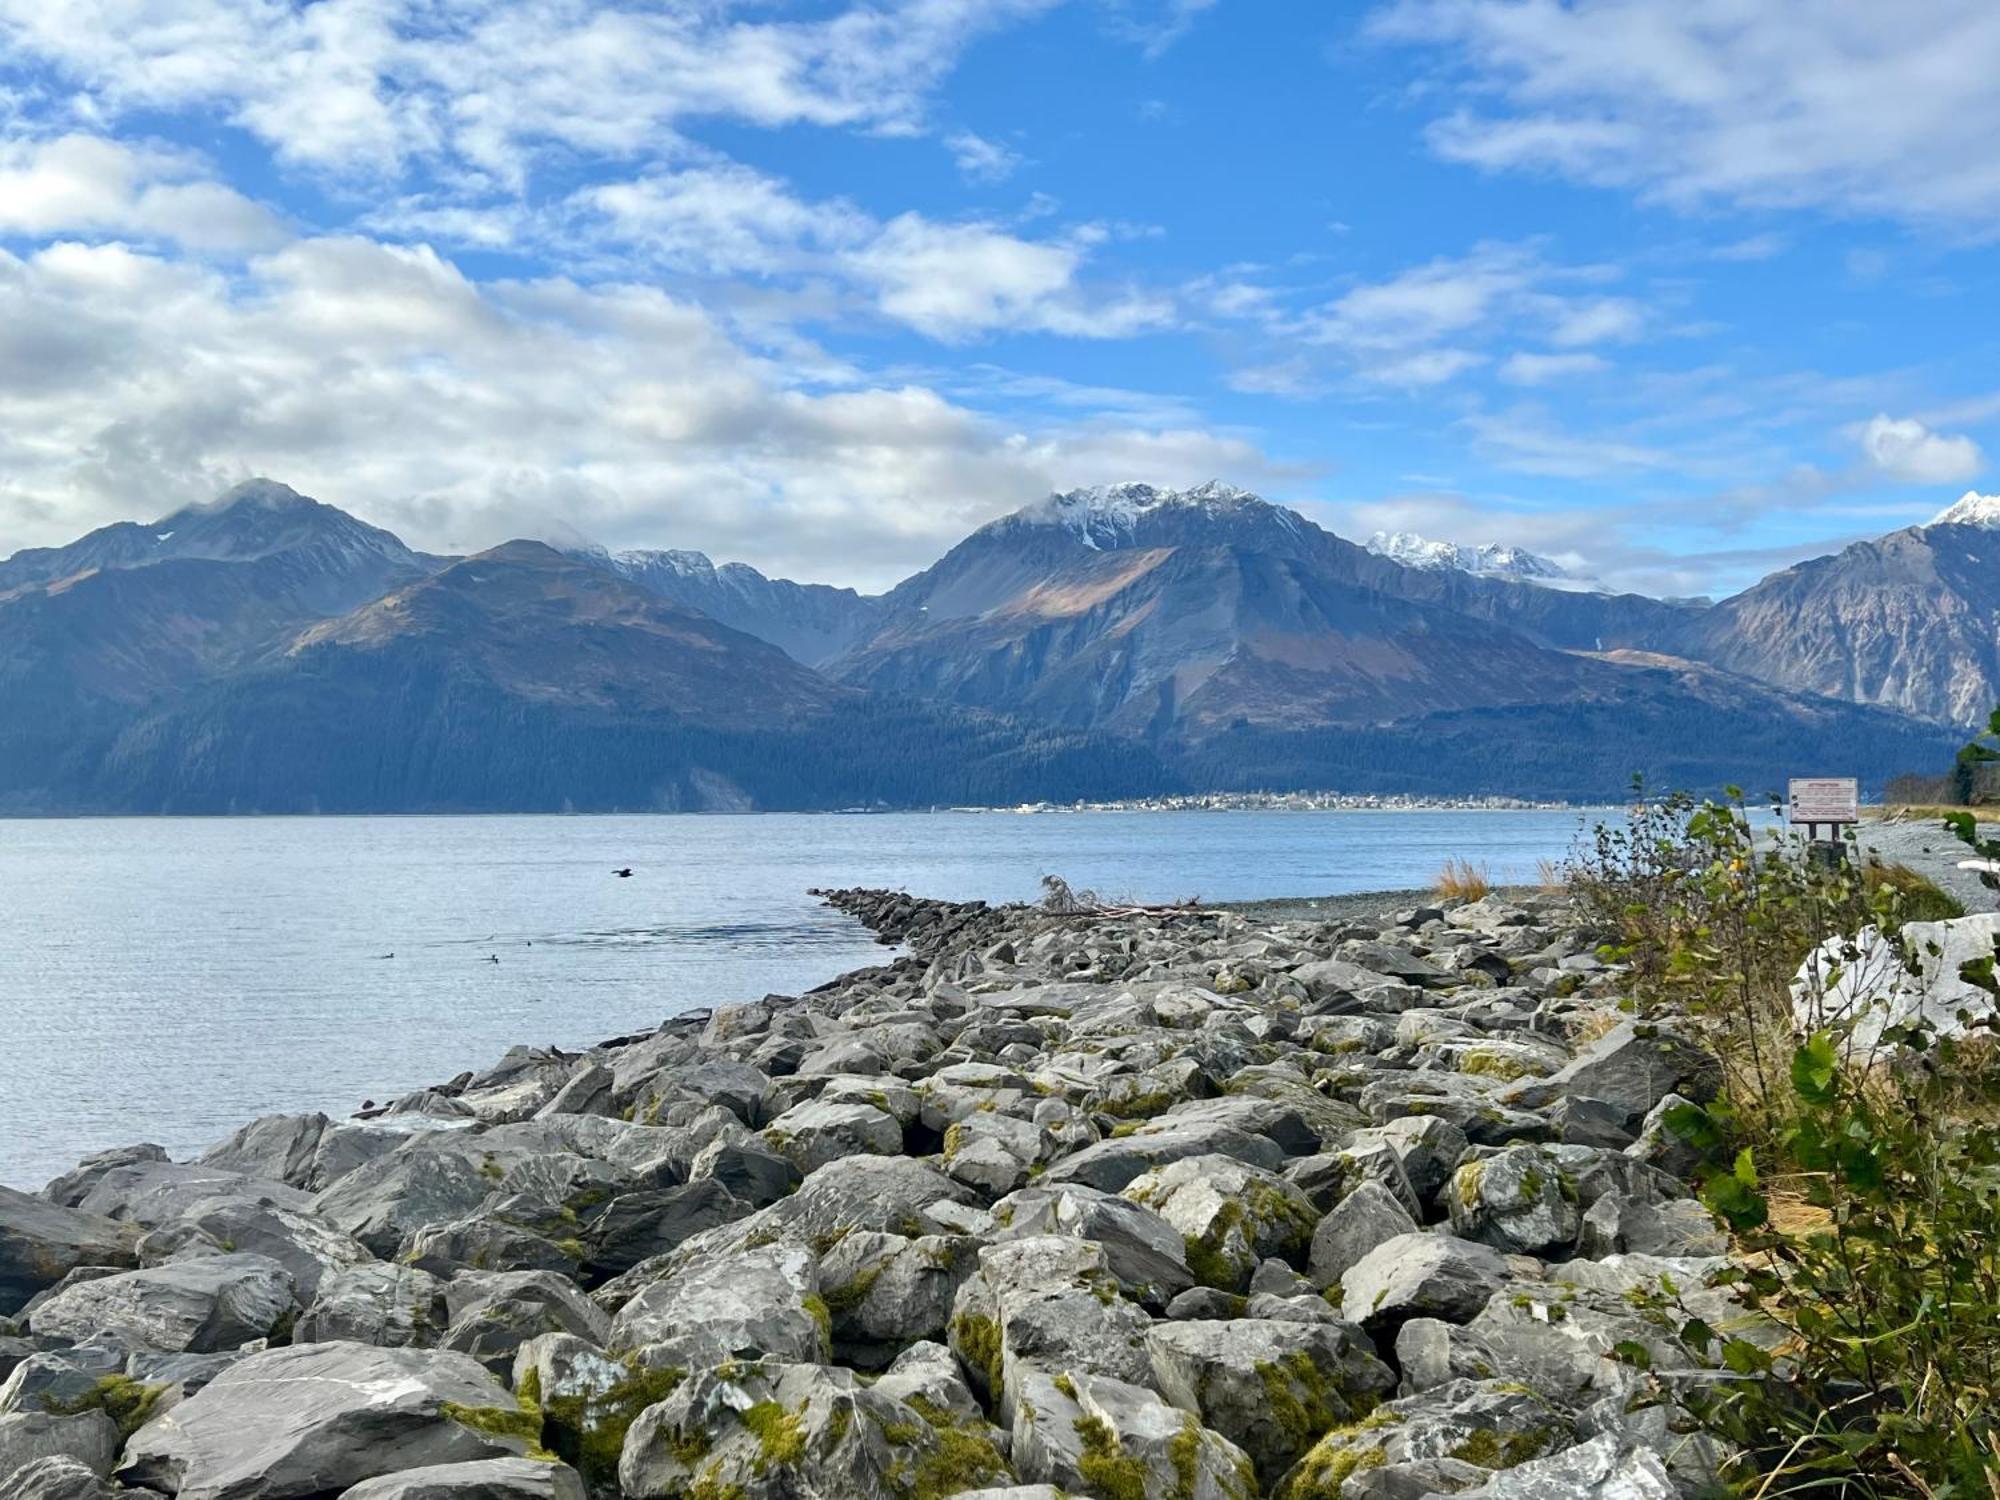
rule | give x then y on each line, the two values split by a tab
1825	799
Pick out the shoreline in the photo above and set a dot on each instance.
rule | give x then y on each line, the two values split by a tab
1037	1194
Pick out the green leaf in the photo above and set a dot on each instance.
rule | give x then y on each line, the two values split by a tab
1814	1069
1632	1352
1694	1125
1746	1168
1745	1358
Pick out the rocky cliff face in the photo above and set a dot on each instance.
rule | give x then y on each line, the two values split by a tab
808	621
1910	621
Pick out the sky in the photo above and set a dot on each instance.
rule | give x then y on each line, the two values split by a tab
1675	291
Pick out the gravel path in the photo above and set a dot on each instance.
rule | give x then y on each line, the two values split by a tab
1926	848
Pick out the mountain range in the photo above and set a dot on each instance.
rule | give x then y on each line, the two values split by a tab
267	652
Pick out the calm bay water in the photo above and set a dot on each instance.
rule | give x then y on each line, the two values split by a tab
166	980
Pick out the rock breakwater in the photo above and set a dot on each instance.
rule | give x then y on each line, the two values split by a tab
1171	1204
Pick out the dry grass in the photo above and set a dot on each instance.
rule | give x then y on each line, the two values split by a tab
1549	875
1792	1214
1462	880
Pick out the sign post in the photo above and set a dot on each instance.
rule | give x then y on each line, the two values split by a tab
1834	801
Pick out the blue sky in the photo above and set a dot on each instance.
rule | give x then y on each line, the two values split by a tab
1675	290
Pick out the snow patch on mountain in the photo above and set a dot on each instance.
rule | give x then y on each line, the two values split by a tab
1105	516
1971	509
1488	560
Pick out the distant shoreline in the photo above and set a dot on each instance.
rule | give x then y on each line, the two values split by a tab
1278	803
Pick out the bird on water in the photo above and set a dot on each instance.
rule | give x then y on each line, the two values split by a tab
624	874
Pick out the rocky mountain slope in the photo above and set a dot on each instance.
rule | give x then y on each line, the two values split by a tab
1910	621
1181	1205
524	678
268	651
1256	649
1486	560
131	616
811	622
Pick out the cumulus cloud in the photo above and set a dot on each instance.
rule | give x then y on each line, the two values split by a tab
1780	103
369	85
1905	449
382	378
79	184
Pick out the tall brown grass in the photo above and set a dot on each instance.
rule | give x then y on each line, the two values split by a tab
1462	880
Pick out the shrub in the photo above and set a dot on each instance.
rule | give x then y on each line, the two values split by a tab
1881	1274
1887	1297
1462	880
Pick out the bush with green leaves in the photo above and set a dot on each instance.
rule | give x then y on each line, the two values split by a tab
1885	1292
1863	1188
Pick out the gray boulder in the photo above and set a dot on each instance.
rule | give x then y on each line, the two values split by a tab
1492	1424
1094	1435
1519	1200
89	1438
885	1292
42	1242
811	1135
1047	1306
634	1226
278	1148
748	1305
1602	1469
1111	1165
315	1419
70	1189
1616	1224
749	1169
483	1479
1141	1249
1365	1218
59	1478
1230	1215
493	1313
391	1306
152	1193
1271	1388
777	1431
304	1244
187	1307
1421	1276
1633	1067
426	1182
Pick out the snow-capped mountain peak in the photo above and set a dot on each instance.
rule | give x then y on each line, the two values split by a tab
1488	560
1971	509
1106	515
675	560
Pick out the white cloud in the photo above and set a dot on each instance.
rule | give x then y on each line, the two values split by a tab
724	219
1541	369
369	85
949	280
1529	441
86	185
381	378
1427	325
952	281
1905	449
1157	24
1606	320
1848	105
982	160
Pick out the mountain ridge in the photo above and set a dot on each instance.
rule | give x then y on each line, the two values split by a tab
267	651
